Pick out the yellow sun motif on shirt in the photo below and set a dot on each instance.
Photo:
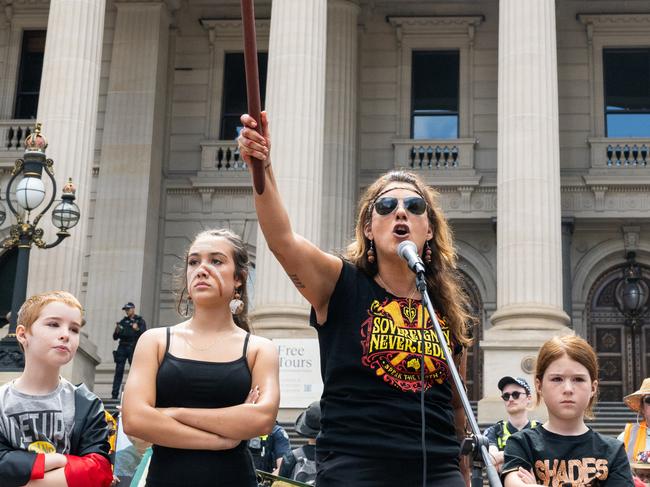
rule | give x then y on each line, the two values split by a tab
41	447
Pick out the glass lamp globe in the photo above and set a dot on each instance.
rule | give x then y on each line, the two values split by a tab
65	215
30	193
634	296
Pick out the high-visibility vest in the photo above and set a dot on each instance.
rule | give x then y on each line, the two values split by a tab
504	434
634	439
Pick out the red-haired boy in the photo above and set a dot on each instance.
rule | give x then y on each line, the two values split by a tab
52	433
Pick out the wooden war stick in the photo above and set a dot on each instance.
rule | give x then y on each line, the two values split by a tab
252	84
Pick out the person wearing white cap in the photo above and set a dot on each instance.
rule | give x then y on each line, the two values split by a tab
636	436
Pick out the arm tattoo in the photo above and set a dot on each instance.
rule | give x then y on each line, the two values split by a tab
296	281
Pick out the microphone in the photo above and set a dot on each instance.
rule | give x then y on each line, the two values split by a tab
408	251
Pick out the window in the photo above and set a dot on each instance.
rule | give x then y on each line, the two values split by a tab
29	74
434	91
626	75
234	101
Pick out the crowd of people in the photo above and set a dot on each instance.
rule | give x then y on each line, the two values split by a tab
205	392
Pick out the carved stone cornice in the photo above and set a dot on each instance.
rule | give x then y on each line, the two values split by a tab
459	201
232	28
196	187
181	191
435	26
200	201
6	168
430	27
171	4
8	3
616	22
586	200
417	25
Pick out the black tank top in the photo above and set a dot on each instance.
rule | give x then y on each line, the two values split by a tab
191	383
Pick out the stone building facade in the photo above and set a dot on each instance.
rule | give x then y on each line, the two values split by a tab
529	116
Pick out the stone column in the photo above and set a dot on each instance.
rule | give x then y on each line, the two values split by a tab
567	239
68	111
339	159
125	239
529	247
295	100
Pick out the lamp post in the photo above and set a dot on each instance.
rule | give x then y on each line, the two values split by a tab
29	195
632	293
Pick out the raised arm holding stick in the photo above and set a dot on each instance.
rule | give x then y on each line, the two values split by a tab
371	325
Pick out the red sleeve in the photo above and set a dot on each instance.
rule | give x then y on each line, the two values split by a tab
91	470
38	469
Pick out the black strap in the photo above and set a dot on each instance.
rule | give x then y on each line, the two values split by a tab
246	343
169	329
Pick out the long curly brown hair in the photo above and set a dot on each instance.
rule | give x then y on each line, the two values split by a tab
443	278
242	263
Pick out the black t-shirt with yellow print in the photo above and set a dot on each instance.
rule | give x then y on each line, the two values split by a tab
370	349
590	459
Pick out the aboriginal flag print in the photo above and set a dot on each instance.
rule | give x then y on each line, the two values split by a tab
392	338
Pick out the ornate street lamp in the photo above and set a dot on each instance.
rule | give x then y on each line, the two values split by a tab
632	293
29	194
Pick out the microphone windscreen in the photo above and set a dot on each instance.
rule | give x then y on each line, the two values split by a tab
402	248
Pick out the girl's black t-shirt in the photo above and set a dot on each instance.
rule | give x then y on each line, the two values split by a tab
568	461
370	348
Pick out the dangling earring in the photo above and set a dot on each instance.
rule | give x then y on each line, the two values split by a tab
371	253
236	304
427	253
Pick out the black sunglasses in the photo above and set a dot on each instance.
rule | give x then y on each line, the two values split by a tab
646	400
413	204
515	395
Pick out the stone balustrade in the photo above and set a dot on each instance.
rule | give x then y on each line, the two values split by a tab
13	134
619	152
221	155
434	154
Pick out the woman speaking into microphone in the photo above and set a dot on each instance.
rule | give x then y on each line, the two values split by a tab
373	328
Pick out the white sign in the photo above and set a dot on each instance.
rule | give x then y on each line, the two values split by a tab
300	381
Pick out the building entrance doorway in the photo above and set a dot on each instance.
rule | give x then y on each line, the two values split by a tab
623	350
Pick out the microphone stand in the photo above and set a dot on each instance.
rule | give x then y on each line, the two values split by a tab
476	443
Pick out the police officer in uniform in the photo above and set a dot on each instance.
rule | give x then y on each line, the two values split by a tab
127	331
516	396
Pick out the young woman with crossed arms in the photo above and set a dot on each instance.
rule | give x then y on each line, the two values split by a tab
199	389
